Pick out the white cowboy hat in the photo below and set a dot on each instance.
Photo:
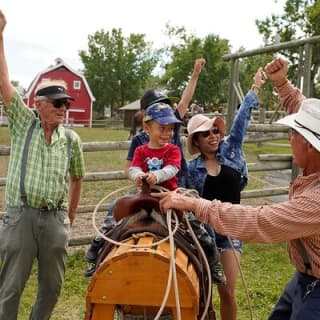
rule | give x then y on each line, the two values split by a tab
306	121
200	123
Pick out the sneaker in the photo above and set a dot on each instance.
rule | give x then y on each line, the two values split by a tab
217	273
91	255
90	271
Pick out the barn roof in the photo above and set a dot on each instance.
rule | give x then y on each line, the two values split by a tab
59	63
135	105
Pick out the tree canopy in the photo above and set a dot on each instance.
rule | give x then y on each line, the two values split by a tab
119	69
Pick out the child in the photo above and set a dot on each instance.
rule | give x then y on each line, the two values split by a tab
158	161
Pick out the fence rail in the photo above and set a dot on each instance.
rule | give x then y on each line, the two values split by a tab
267	162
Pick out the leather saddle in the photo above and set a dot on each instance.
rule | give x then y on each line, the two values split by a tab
131	204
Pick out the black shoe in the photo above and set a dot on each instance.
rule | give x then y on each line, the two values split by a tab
217	273
91	255
90	271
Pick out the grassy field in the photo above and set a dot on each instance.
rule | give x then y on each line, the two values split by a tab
266	268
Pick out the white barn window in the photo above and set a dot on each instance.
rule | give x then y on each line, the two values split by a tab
76	84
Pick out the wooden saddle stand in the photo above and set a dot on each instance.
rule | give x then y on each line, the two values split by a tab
130	282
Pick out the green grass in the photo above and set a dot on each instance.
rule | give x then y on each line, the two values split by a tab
266	268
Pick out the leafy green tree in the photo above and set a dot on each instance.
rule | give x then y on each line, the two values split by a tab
117	68
212	85
301	19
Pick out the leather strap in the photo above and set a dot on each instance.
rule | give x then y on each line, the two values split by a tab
24	163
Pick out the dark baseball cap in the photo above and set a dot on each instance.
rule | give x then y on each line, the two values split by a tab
155	95
160	112
54	93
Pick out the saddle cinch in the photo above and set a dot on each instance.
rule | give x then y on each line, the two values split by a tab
130	282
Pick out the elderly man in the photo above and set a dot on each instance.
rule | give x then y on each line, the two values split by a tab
36	223
296	220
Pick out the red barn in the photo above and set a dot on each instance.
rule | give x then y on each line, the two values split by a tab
80	113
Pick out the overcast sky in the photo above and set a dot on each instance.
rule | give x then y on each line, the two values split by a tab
39	31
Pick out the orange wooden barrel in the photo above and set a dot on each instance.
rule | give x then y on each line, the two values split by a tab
135	280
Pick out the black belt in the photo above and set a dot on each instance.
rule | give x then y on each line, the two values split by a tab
42	209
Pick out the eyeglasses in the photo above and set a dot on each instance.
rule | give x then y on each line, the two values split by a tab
60	102
206	134
300	125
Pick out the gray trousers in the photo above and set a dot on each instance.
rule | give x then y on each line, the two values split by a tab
26	234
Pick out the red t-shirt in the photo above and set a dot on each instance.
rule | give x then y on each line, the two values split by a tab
149	159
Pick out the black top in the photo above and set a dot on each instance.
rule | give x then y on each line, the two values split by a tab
224	187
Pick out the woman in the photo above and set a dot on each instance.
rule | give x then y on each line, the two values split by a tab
220	172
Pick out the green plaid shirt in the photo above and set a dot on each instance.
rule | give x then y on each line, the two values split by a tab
46	166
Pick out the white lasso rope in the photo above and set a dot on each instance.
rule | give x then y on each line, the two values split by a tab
194	193
121	243
172	267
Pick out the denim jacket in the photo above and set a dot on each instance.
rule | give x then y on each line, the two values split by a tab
230	151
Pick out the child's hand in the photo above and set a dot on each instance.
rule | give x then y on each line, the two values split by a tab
139	178
151	178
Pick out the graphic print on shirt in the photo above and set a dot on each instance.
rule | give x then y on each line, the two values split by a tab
154	163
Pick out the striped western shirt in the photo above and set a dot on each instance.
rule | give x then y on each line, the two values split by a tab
298	218
46	166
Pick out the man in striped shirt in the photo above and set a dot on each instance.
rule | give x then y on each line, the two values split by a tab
296	220
37	220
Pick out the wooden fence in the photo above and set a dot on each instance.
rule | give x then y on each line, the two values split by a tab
257	133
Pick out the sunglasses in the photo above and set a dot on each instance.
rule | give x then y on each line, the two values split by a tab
60	102
207	133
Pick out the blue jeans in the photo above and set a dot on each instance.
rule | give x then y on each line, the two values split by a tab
294	304
223	243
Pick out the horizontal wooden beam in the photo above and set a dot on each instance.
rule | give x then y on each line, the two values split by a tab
271	48
280	164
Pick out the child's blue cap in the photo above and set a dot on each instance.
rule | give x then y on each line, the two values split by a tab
160	112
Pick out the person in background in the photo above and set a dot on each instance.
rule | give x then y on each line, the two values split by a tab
296	220
220	172
37	220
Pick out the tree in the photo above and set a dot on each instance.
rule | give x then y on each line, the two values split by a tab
117	68
301	19
212	86
248	68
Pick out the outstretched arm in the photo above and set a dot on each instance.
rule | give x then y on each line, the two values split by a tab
290	97
241	122
191	87
6	88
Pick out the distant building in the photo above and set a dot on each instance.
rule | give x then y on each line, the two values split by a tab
128	112
80	113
